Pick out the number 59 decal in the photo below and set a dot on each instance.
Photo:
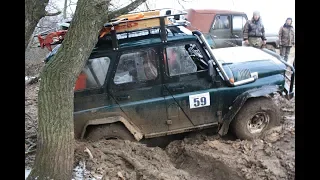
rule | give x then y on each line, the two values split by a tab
199	100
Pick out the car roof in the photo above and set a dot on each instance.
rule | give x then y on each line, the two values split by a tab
215	11
202	19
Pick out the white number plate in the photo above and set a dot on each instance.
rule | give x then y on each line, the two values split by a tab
199	100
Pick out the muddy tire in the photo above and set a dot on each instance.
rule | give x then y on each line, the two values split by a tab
109	131
270	47
255	117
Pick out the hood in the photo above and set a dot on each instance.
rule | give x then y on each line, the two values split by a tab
238	59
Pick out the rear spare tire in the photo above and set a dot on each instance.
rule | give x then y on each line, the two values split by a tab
255	117
109	131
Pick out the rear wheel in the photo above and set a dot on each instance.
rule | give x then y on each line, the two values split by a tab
255	117
109	131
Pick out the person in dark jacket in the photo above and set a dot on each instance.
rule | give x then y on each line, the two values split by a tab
286	38
254	33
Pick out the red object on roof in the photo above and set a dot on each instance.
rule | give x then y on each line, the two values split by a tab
52	37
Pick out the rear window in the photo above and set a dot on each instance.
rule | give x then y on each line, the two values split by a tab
93	74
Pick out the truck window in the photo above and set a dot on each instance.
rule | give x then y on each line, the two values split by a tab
184	59
221	22
238	23
137	66
93	74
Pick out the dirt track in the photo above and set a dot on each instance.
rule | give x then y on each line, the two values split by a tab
197	156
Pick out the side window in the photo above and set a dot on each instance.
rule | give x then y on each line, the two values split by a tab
238	23
221	22
137	66
185	59
93	74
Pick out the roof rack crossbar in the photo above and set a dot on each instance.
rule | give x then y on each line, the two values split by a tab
115	44
163	32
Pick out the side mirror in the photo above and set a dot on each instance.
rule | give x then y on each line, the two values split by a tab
212	71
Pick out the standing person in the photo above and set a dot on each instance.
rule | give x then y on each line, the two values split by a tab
286	38
253	33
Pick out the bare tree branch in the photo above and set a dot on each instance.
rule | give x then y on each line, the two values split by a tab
70	4
52	6
132	6
65	9
147	6
53	14
181	4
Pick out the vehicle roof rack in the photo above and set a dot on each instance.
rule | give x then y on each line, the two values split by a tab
161	22
130	23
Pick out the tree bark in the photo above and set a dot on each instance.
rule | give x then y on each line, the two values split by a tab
34	11
55	145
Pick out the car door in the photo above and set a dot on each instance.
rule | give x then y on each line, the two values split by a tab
220	31
90	94
137	89
189	86
238	22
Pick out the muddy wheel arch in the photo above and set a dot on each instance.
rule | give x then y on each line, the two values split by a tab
133	129
240	101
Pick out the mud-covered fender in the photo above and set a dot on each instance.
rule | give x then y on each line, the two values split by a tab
135	131
239	102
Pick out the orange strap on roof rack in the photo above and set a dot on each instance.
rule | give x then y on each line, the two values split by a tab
118	26
135	17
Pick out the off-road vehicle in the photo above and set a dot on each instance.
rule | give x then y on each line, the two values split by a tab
161	80
224	28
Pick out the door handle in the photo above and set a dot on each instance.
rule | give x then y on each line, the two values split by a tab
214	36
236	36
122	97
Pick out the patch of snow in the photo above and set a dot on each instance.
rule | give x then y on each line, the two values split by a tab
80	173
26	173
26	78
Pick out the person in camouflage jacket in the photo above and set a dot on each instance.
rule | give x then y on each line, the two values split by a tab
286	38
254	33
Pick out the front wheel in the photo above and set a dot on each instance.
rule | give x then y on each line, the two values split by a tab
255	117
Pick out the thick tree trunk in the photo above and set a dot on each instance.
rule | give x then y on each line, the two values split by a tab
34	11
55	149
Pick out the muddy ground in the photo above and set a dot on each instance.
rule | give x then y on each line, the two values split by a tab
198	155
